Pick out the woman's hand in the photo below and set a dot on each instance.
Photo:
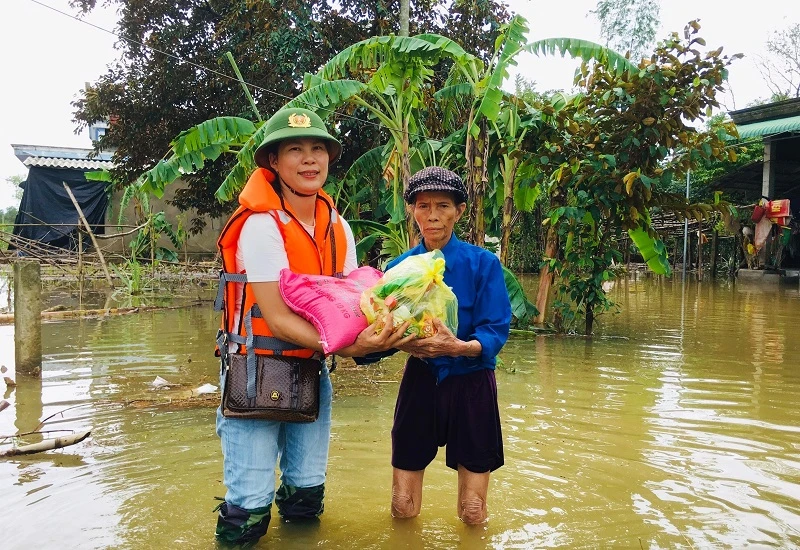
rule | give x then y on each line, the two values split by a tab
369	341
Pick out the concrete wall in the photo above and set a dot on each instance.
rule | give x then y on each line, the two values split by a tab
202	246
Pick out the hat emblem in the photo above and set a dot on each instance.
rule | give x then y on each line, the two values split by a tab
299	120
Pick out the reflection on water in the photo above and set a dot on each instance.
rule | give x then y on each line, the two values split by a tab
676	426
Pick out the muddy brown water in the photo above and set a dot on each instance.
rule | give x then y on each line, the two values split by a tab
676	426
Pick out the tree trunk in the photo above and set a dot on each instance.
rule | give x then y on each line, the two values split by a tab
405	8
505	235
589	319
405	175
545	276
405	161
477	154
47	444
508	212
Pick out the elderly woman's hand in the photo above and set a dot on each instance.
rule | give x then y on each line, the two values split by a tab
369	341
443	343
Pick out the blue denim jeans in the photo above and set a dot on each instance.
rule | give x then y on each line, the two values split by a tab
252	448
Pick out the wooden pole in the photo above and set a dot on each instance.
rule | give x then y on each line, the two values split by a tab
714	246
675	255
700	252
80	262
91	234
28	317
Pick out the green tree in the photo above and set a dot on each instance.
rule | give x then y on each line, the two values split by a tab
15	182
159	86
481	85
629	25
7	217
614	151
391	80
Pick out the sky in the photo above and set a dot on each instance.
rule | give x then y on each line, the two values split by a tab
48	57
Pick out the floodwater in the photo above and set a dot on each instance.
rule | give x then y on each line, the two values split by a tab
676	426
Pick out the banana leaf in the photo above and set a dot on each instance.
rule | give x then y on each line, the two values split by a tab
395	239
193	147
582	49
522	309
513	38
652	250
372	53
326	95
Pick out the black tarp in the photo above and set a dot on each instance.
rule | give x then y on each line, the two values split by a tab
45	201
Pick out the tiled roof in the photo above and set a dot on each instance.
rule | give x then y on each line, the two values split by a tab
81	164
49	156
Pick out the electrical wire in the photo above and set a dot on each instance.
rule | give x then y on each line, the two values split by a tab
223	75
257	87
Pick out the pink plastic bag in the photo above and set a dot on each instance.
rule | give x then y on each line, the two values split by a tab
332	305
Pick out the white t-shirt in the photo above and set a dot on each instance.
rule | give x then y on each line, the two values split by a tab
262	253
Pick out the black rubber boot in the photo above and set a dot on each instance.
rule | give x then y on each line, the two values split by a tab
239	526
300	502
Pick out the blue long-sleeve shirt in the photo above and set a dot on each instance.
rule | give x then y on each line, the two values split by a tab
484	312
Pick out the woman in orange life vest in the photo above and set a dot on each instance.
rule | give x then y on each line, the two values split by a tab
285	220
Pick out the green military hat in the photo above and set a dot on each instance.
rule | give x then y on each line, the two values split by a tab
295	122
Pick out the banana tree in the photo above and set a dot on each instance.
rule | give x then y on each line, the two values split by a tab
192	148
516	193
389	77
207	141
482	85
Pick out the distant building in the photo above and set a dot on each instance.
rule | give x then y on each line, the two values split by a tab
776	176
47	214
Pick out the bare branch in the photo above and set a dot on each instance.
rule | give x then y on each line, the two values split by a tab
56	414
47	444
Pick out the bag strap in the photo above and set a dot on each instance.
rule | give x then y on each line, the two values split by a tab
225	277
251	341
337	274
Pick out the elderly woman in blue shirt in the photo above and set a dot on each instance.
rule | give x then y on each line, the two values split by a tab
448	395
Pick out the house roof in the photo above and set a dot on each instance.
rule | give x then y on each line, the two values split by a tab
62	157
768	111
68	163
769	119
748	179
777	123
769	127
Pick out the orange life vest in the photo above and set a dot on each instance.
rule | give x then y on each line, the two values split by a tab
324	254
